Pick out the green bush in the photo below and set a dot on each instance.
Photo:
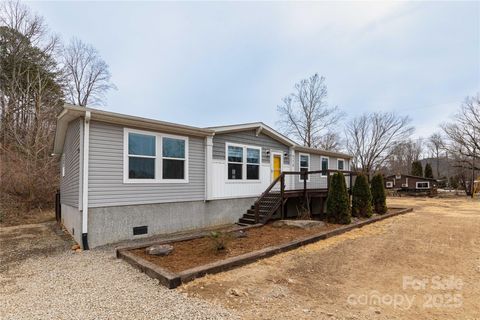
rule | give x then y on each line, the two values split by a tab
338	207
379	197
361	198
219	240
428	171
417	169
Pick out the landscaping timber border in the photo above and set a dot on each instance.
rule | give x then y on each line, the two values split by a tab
173	280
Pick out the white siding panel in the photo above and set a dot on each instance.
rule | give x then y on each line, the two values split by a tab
223	188
70	183
106	186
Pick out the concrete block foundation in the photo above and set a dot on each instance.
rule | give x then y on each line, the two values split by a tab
112	224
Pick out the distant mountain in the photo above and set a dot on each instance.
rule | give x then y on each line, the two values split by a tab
445	166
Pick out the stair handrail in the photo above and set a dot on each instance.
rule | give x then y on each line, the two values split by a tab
265	193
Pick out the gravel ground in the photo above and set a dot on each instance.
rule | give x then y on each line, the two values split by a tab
88	285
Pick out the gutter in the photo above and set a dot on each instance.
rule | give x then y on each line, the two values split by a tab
86	148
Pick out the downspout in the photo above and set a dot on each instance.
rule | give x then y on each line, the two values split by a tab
208	167
86	147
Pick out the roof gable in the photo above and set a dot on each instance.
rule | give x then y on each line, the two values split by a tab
259	128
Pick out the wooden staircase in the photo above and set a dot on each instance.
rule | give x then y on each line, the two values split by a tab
275	197
267	204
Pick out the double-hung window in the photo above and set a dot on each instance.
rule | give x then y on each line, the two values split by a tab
235	162
341	164
173	158
141	156
155	157
253	163
304	165
324	166
243	162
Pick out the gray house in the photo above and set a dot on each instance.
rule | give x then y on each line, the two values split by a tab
124	177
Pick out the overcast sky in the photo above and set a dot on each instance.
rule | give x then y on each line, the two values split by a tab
209	64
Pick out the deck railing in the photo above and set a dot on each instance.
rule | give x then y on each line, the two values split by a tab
302	182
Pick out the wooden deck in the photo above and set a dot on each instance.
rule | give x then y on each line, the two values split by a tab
276	196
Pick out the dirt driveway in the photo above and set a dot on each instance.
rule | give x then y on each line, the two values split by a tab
422	265
21	242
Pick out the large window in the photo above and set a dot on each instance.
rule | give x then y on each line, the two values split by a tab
304	165
155	157
324	166
423	185
243	162
173	158
141	156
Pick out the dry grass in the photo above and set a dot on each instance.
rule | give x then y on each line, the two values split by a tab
440	238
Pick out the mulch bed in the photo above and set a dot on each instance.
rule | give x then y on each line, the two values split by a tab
196	252
195	255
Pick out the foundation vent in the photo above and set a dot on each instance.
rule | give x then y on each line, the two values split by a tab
140	230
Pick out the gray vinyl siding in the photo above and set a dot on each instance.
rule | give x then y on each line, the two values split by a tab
247	138
106	187
70	183
315	180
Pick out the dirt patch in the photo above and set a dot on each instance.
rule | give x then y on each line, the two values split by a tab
196	252
338	277
21	242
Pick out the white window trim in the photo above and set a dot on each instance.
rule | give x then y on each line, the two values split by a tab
158	157
328	165
389	184
300	167
244	163
63	165
427	187
343	160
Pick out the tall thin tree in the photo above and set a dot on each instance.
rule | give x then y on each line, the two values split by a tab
306	117
87	74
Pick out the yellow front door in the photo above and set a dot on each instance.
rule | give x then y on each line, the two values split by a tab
277	166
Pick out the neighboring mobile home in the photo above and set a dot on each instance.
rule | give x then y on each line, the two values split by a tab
410	183
125	176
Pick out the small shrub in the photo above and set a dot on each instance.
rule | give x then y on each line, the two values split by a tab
219	240
361	198
338	207
379	196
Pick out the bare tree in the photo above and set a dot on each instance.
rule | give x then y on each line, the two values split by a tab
370	137
306	117
87	74
436	144
30	98
464	135
402	155
329	141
